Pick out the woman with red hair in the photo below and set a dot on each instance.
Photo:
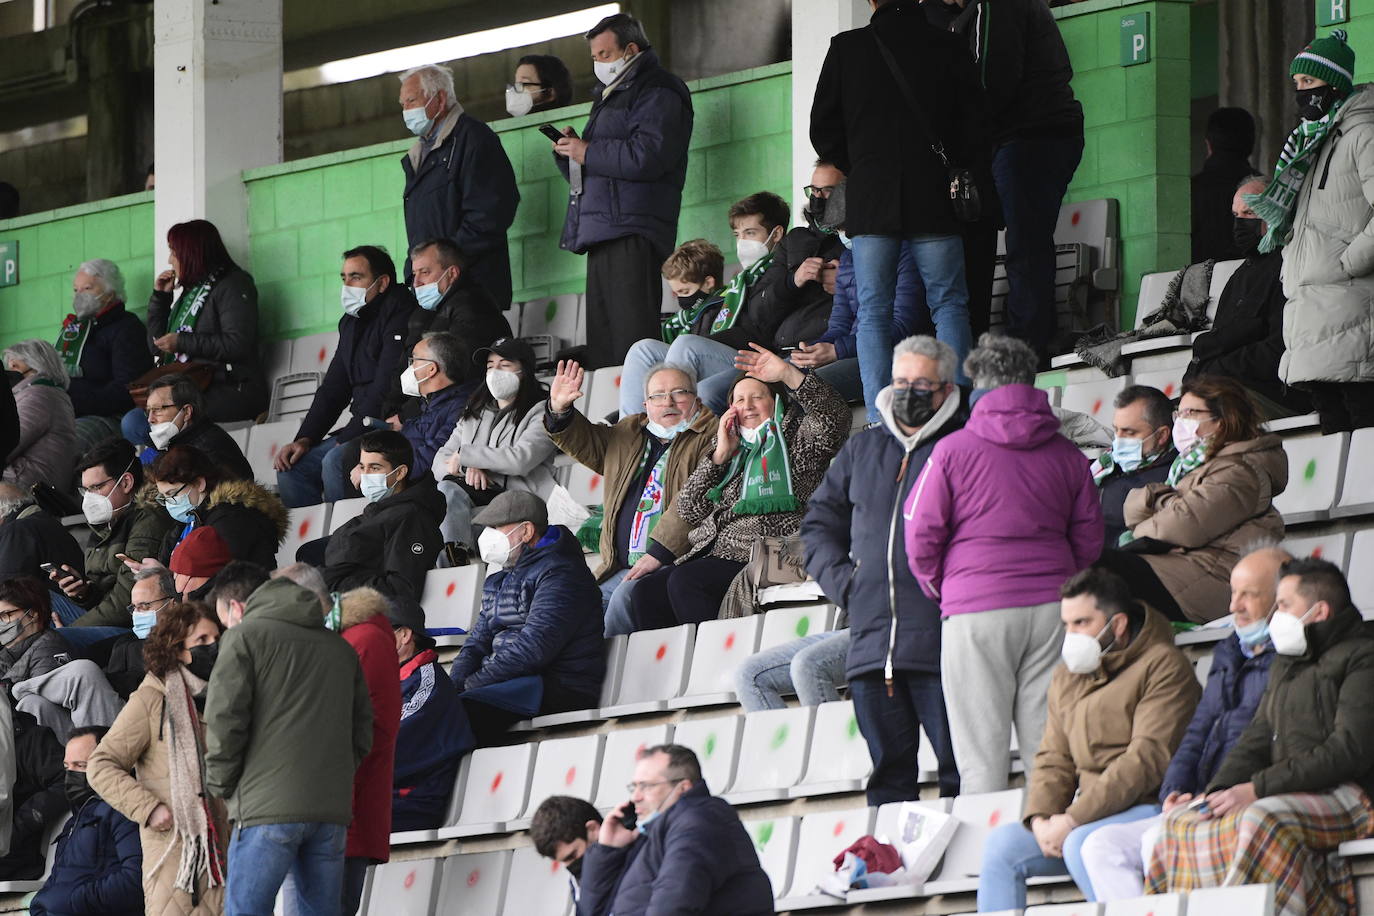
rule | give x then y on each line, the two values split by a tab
214	321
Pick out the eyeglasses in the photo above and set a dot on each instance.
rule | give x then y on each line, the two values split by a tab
921	384
165	499
821	191
412	360
151	410
633	787
525	87
677	394
13	613
97	487
144	607
1193	413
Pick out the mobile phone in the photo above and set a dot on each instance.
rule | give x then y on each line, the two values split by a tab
1200	804
553	133
790	349
629	818
47	568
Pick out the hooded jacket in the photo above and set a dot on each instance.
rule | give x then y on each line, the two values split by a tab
814	425
515	451
391	545
251	520
221	448
464	191
359	375
615	452
540	617
115	353
31	536
1211	516
1235	685
1328	261
34	656
1005	509
432	741
137	532
696	857
1109	734
288	715
636	162
1314	728
97	867
138	743
853	535
37	797
46	452
366	629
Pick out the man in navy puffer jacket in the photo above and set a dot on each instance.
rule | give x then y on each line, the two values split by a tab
536	648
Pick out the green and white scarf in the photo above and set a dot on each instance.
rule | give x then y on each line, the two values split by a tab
674	326
733	297
649	509
767	472
1276	203
1187	462
71	341
186	312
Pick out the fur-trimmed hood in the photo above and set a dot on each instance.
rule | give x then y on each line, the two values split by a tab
361	605
250	495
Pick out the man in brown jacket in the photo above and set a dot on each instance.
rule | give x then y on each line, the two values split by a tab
1118	707
643	460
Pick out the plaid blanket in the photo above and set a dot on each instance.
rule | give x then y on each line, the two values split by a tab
1184	309
1289	841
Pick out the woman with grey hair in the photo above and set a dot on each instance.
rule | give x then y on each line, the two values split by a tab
46	452
1000	360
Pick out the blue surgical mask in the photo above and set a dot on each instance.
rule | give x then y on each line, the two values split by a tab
417	120
1254	634
668	432
374	486
180	508
428	296
143	623
1128	453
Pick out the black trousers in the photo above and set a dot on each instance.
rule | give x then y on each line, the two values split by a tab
490	723
624	296
891	725
1144	584
1342	406
689	593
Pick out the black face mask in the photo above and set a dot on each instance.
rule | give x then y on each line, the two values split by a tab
687	303
1314	103
77	789
911	407
575	868
815	210
1246	234
203	660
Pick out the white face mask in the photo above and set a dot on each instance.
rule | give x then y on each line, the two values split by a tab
1288	633
1082	654
751	435
1185	433
503	384
353	298
607	70
518	102
97	508
410	383
162	433
750	252
495	548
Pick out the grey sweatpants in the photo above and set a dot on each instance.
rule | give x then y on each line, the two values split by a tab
995	667
73	696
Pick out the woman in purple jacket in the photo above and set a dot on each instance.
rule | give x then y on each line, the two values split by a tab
1003	513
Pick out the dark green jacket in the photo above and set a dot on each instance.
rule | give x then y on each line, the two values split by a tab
137	533
287	714
1314	728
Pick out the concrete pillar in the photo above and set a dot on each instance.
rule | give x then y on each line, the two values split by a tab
814	22
217	100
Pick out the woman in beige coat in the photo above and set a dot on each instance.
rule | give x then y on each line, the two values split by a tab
1186	534
147	772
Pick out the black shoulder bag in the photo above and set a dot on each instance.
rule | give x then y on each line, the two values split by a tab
963	192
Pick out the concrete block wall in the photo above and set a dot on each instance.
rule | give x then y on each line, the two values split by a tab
1137	130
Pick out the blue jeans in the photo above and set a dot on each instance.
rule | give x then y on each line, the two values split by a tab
65	608
940	262
81	637
261	857
843	375
318	475
891	725
1011	855
811	667
1032	176
134	426
713	363
615	603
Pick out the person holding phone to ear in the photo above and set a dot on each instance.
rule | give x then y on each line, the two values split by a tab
694	853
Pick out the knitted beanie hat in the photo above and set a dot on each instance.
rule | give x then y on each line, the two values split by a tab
1329	59
201	553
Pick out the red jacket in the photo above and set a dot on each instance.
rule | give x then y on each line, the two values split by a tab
368	632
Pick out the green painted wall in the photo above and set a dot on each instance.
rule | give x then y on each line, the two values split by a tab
1136	125
303	214
1361	29
54	243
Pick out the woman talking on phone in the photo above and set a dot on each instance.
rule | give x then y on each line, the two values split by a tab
772	448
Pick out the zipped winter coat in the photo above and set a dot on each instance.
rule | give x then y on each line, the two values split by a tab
1314	728
853	537
31	536
97	867
1328	261
115	353
251	520
636	161
135	532
391	545
1109	734
366	629
429	429
540	617
1005	509
288	716
1211	516
464	191
34	656
1235	685
433	739
46	452
515	451
217	444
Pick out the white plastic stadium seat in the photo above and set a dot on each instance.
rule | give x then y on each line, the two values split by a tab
584	485
1315	467
1066	909
1093	398
716	743
536	885
276	359
721	647
978	816
1361	577
1168	380
403	888
344	511
494	791
775	841
1153	287
304	524
564	766
451	600
618	760
615	667
1154	905
604	397
1331	547
775	742
885	831
1357	493
455	804
838	760
313	352
473	883
555	316
656	665
1250	899
264	441
782	625
239	434
50	834
819	839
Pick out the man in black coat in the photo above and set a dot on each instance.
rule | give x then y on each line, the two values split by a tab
1230	141
1142	452
897	185
372	333
853	537
1037	133
174	399
459	181
1246	339
689	854
625	177
29	536
37	797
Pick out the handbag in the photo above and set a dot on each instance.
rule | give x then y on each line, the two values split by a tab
964	198
772	561
199	374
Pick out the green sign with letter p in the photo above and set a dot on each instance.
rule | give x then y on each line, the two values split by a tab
9	264
1135	39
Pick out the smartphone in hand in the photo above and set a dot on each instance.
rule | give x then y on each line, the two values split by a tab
553	133
629	819
48	568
